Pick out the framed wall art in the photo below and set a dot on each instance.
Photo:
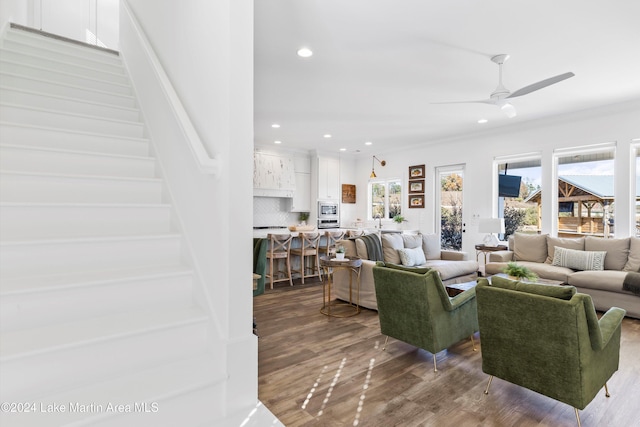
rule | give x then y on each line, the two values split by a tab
348	193
416	186
416	201
416	172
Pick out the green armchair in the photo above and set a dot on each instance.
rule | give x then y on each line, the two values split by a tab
260	263
547	339
413	306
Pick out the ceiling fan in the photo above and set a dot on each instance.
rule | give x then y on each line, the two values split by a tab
501	95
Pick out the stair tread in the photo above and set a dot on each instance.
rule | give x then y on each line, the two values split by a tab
84	153
70	98
89	89
28	342
65	113
78	176
151	385
91	239
74	132
51	282
84	67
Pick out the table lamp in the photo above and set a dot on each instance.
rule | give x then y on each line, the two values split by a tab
491	226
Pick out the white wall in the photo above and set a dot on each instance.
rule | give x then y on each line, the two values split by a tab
17	11
618	123
206	49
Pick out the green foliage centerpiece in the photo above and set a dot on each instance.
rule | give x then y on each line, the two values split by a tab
519	272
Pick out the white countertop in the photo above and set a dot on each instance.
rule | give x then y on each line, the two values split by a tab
262	234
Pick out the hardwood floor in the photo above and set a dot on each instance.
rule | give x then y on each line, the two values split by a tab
320	371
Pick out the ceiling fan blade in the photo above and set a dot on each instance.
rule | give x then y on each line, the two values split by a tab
541	84
482	101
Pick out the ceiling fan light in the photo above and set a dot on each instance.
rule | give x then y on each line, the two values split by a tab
509	110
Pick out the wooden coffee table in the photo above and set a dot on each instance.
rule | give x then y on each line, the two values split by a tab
458	288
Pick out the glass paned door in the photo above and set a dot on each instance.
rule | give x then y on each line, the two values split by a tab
451	179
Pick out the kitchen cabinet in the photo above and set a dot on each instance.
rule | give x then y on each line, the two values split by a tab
328	178
273	175
301	201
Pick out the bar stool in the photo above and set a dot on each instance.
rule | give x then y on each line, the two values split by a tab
309	247
279	249
332	237
350	234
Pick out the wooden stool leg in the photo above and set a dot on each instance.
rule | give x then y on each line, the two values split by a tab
288	264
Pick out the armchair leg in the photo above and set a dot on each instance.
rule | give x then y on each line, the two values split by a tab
473	343
606	390
577	416
435	366
384	346
486	390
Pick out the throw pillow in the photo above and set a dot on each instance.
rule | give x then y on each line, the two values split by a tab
568	243
579	260
617	250
391	242
412	257
431	246
633	263
530	247
411	241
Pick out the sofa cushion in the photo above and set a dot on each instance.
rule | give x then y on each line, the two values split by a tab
579	260
349	248
633	262
617	251
568	243
530	247
391	242
412	241
361	249
431	246
451	269
561	292
606	280
412	256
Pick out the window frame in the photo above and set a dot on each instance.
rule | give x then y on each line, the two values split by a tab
386	182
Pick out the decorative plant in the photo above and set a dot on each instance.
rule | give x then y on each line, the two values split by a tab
399	219
303	216
519	271
340	250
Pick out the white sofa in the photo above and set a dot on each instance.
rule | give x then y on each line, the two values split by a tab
452	266
536	251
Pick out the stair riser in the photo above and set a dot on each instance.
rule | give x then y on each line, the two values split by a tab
45	161
62	257
36	309
38	45
64	67
69	105
50	138
70	91
17	114
56	370
66	78
45	189
47	222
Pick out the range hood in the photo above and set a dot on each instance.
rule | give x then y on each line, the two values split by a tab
273	175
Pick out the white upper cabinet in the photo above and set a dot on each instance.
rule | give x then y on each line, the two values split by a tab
328	178
273	175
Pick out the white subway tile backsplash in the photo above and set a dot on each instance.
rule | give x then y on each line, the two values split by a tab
272	211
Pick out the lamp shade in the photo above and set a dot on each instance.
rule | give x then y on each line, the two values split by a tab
491	225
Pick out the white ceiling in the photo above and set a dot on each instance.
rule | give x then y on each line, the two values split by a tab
379	64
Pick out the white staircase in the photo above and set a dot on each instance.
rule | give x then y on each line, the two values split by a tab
97	303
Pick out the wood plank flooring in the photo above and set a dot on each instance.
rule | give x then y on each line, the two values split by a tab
320	371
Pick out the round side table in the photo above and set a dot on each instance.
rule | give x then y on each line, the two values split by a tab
353	266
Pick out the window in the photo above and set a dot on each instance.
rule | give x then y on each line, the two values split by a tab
385	198
520	194
586	191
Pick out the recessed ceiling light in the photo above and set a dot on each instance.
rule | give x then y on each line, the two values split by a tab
277	142
343	149
305	52
368	143
275	126
481	121
327	135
